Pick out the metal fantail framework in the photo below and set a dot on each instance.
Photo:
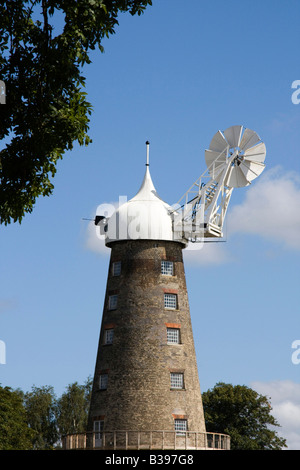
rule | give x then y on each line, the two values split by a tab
234	159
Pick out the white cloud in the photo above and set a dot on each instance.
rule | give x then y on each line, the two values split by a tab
94	241
285	400
270	209
210	253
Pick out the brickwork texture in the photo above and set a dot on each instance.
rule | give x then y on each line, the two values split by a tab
135	366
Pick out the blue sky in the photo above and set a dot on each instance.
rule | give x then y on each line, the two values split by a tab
173	76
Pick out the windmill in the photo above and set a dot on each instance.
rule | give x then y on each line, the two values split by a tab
146	390
234	159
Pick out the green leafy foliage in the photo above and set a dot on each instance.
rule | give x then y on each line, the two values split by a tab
46	109
73	408
15	434
37	420
40	406
244	415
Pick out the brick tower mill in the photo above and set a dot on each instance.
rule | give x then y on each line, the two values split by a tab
146	391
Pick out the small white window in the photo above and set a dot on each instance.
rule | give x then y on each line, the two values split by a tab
173	335
171	301
103	381
180	426
167	268
108	336
177	380
116	268
112	302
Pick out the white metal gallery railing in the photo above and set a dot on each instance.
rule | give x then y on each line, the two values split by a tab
137	440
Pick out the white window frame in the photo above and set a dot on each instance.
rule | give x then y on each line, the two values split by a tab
173	335
177	380
103	381
108	336
116	268
167	268
170	301
112	302
180	426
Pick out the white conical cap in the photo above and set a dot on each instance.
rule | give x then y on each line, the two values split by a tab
145	217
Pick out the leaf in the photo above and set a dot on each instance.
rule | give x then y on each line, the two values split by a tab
47	109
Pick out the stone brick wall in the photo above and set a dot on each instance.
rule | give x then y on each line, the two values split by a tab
139	361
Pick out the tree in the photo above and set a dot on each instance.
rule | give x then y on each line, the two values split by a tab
40	405
73	407
15	434
244	415
46	109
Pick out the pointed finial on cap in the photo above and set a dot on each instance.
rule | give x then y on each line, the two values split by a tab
147	144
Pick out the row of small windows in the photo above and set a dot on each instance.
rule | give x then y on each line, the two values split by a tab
173	335
170	301
176	381
167	268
